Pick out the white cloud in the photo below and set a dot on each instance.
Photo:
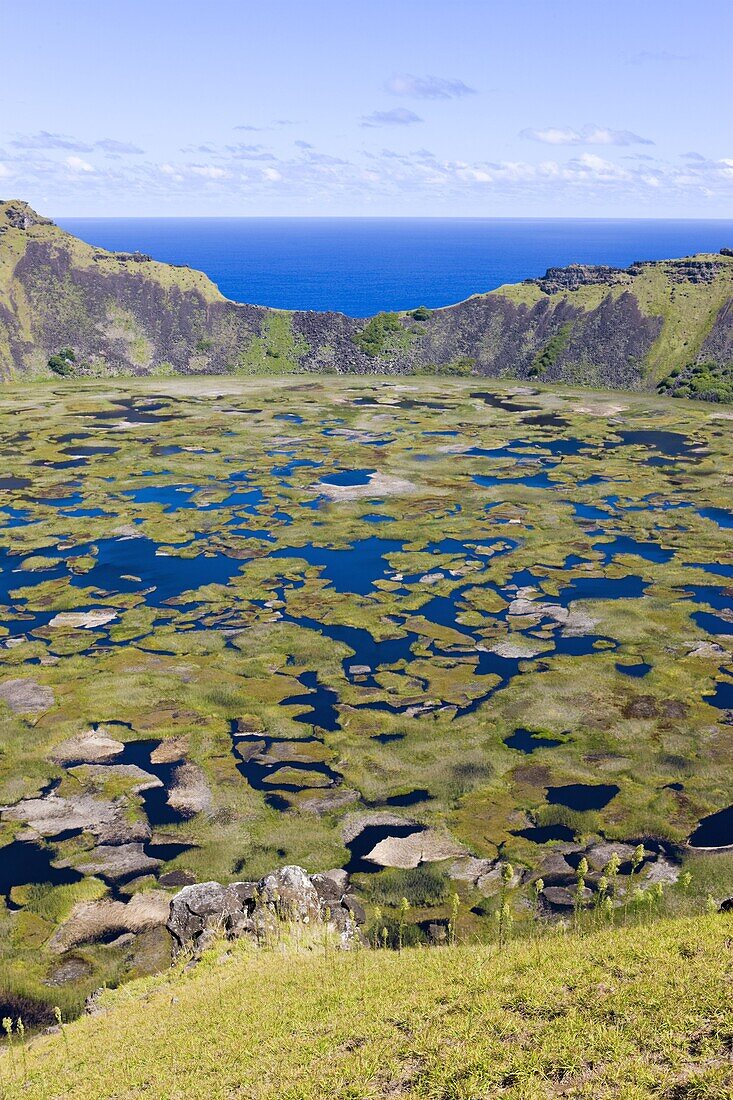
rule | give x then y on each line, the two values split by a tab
4	171
397	116
587	135
76	164
271	174
427	87
208	171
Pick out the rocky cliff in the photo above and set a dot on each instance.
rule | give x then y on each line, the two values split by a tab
71	309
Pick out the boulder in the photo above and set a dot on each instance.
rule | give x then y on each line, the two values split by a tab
599	855
563	897
470	869
662	870
555	867
292	892
200	912
492	883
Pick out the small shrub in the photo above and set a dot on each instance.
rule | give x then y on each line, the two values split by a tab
422	313
63	362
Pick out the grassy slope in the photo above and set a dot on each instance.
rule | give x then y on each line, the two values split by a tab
688	309
82	255
638	1012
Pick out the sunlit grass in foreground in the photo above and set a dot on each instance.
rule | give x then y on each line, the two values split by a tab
639	1011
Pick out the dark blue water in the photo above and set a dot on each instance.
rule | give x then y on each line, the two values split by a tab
362	265
582	796
543	834
527	741
715	831
636	671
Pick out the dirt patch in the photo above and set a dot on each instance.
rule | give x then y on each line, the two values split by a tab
379	484
92	920
83	620
643	707
427	846
190	792
93	747
26	696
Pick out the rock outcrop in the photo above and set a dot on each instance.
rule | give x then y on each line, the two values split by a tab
253	910
122	313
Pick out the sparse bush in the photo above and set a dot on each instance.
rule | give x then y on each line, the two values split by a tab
461	367
706	381
380	334
551	352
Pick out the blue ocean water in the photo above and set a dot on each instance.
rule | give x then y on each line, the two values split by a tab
362	265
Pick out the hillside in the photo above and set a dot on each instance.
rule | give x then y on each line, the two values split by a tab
92	312
637	1012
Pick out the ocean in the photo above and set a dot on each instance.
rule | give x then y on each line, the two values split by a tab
362	265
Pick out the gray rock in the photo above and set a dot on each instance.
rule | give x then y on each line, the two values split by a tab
292	892
491	883
564	896
51	814
200	912
470	869
662	870
555	866
423	846
599	855
354	824
119	861
83	620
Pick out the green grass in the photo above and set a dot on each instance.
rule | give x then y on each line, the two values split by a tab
633	1013
181	673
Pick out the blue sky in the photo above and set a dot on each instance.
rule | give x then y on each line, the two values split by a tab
369	107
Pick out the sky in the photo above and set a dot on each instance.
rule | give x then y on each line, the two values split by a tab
526	108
